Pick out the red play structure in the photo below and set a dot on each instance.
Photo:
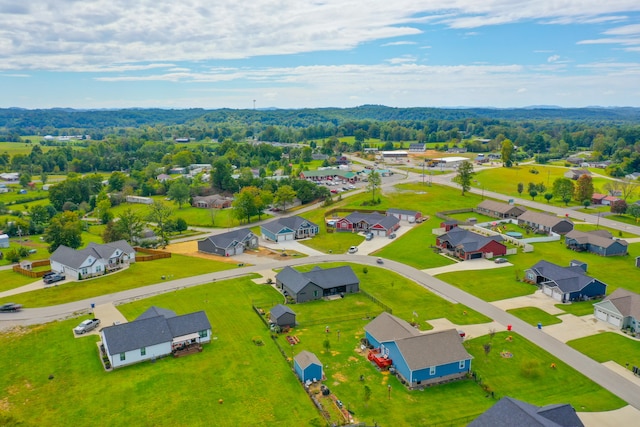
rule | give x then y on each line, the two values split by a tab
379	359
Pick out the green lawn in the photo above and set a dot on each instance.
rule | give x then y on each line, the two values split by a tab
609	346
490	285
255	383
137	275
528	375
10	280
533	316
580	308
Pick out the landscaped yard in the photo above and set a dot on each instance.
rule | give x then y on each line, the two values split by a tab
609	346
528	375
533	316
137	275
490	285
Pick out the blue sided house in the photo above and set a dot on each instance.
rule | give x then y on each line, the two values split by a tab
418	358
565	284
308	367
289	228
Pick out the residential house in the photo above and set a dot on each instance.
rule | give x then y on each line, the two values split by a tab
417	148
512	412
308	367
565	284
230	243
545	223
576	173
620	309
10	176
317	283
499	210
404	214
418	358
155	333
597	198
94	260
599	242
282	316
467	245
448	225
163	177
374	222
609	200
214	201
288	228
633	176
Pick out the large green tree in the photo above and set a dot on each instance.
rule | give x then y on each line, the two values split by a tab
563	189
179	192
285	194
375	180
464	176
160	214
507	153
244	203
584	188
64	229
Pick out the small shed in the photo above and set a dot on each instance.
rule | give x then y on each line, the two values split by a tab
282	316
307	366
4	240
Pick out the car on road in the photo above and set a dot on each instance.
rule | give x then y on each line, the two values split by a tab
379	261
53	278
462	333
10	307
353	249
351	187
86	326
500	260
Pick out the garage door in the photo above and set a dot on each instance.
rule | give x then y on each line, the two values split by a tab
615	321
284	237
546	290
557	295
601	315
476	255
379	232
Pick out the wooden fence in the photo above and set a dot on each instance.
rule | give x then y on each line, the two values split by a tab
150	254
30	273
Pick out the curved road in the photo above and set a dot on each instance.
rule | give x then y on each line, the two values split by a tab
603	376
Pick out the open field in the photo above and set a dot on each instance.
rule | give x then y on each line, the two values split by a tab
137	275
528	375
609	346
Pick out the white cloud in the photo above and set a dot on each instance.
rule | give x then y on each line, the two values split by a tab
400	43
87	36
553	58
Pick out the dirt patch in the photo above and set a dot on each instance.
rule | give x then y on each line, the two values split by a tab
191	249
5	406
17	331
353	359
340	377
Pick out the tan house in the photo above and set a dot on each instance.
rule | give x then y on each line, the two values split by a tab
215	201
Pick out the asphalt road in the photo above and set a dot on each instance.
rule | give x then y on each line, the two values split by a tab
603	376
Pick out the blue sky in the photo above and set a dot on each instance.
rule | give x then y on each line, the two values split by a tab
319	53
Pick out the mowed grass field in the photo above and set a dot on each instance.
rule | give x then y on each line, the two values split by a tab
137	275
609	346
254	382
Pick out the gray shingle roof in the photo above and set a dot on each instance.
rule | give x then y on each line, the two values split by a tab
626	302
432	349
542	218
600	238
568	279
293	222
306	358
387	327
373	218
402	211
469	240
154	311
325	279
279	310
225	240
502	208
509	412
148	331
74	258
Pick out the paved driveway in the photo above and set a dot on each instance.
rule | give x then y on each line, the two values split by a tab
379	242
537	299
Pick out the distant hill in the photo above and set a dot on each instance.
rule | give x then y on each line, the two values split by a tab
37	121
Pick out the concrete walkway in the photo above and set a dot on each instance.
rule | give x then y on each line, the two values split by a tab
22	289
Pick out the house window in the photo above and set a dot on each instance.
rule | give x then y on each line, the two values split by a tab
203	334
315	293
83	271
122	356
98	268
462	364
143	351
432	370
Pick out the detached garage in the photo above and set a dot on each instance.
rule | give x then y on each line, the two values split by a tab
308	367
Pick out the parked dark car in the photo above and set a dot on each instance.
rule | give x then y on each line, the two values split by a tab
392	235
53	278
10	307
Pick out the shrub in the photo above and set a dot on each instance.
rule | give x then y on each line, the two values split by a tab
12	255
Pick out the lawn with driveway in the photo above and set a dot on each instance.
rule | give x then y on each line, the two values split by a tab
138	274
609	346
